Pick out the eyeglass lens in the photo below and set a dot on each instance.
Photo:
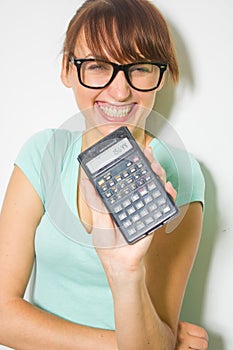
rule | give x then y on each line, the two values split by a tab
98	74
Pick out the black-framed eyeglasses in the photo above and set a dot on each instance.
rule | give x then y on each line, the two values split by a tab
97	74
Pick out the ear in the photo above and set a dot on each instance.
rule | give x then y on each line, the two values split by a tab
65	75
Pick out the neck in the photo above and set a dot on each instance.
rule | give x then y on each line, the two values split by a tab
93	135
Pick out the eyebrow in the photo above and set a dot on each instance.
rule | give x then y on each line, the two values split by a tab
97	58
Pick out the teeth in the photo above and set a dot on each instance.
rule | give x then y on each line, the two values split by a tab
115	112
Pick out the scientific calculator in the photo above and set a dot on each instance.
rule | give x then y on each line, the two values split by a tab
133	194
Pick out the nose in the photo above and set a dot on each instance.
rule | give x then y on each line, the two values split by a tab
119	88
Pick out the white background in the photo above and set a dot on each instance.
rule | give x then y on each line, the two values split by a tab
32	98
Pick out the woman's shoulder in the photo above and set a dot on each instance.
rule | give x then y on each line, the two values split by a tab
49	139
43	154
43	137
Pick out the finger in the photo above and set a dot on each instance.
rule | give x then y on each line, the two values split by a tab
99	212
196	343
105	233
158	170
149	154
191	337
192	343
90	195
170	189
155	166
193	330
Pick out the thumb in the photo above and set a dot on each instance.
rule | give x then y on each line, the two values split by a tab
94	202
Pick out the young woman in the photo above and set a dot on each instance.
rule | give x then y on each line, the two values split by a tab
95	291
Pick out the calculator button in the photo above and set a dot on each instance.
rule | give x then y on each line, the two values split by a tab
114	189
119	195
126	191
140	226
151	186
108	194
126	203
148	199
128	164
104	188
127	223
132	187
161	201
118	178
112	200
131	210
143	171
140	165
140	182
136	176
149	220
157	215
135	197
117	209
122	184
153	207
129	180
125	174
166	209
132	169
122	216
143	191
136	217
156	194
107	177
139	205
144	212
101	182
132	231
147	177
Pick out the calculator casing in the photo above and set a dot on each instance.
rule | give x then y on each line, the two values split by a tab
133	194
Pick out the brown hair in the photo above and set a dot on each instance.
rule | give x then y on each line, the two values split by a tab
126	30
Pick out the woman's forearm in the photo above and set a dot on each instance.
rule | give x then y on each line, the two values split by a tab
25	327
138	326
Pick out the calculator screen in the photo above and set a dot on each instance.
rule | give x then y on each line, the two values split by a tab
109	155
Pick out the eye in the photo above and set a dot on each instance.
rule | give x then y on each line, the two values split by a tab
98	66
143	68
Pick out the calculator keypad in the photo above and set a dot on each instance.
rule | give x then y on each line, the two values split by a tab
133	195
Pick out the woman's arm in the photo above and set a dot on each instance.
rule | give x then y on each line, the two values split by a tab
148	292
23	326
147	279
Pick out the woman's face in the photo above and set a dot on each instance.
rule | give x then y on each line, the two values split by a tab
113	106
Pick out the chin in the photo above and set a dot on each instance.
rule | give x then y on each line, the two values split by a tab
103	130
99	126
107	128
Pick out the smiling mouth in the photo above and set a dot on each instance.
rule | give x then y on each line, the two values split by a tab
115	111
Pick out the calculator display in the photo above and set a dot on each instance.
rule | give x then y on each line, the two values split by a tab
109	155
133	194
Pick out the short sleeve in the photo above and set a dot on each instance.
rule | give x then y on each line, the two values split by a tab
30	159
183	171
192	184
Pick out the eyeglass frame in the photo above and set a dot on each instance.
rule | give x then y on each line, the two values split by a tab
117	68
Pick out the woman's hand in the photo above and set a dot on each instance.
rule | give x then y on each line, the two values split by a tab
191	337
108	241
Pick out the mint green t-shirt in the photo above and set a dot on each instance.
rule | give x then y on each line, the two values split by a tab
69	280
